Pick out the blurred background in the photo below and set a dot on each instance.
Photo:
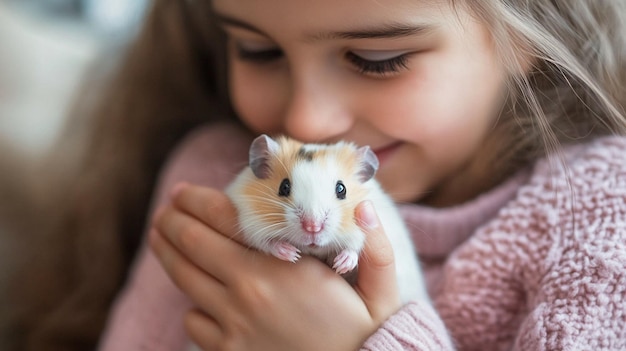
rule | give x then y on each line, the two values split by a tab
45	47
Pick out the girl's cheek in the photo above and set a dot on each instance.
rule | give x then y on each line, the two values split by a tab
257	99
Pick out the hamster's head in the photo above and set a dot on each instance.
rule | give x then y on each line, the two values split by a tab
306	194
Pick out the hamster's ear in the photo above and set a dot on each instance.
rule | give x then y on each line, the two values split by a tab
368	163
262	149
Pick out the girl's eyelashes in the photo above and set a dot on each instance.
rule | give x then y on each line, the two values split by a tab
378	67
258	55
367	62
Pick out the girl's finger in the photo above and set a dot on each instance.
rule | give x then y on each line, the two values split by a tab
203	289
197	242
377	283
203	330
209	205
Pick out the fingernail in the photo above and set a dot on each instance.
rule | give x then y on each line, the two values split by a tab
368	215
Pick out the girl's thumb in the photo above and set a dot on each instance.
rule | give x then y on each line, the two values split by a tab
376	282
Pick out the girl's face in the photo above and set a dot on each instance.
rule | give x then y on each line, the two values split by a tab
416	80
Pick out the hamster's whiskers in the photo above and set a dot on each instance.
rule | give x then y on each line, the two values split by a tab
256	199
340	242
282	164
266	232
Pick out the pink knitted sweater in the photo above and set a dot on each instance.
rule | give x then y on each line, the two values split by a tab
538	263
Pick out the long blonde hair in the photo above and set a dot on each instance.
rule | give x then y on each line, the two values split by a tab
173	78
567	61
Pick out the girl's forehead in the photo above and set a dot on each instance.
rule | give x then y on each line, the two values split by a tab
320	15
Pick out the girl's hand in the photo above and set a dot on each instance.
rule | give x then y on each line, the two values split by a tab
247	300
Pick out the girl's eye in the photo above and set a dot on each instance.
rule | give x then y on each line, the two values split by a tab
379	64
258	55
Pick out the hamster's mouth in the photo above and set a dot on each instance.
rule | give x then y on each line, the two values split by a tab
312	241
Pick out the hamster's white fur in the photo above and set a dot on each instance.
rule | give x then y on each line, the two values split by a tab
313	218
275	224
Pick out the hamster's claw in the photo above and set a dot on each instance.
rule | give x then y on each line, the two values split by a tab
285	251
346	261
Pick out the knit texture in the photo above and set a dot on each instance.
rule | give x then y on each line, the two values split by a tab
549	271
537	263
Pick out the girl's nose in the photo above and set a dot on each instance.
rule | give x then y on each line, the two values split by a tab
317	111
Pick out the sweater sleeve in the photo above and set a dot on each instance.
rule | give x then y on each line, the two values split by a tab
579	302
579	297
581	305
549	272
148	313
544	292
415	327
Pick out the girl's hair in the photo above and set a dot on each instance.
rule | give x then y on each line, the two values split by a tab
100	176
573	54
567	62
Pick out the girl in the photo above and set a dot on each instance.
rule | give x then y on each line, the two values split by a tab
493	121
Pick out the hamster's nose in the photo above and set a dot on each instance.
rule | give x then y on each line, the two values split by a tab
312	225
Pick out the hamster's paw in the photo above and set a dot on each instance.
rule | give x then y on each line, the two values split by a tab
285	251
346	261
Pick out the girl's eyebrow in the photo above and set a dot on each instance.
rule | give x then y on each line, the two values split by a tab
233	22
391	30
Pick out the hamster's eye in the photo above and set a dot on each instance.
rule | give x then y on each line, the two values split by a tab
285	188
340	190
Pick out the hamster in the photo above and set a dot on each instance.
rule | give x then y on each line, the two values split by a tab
297	198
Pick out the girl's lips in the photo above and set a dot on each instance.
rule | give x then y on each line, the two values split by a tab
385	152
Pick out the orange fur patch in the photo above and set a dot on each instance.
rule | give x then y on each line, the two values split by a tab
265	191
